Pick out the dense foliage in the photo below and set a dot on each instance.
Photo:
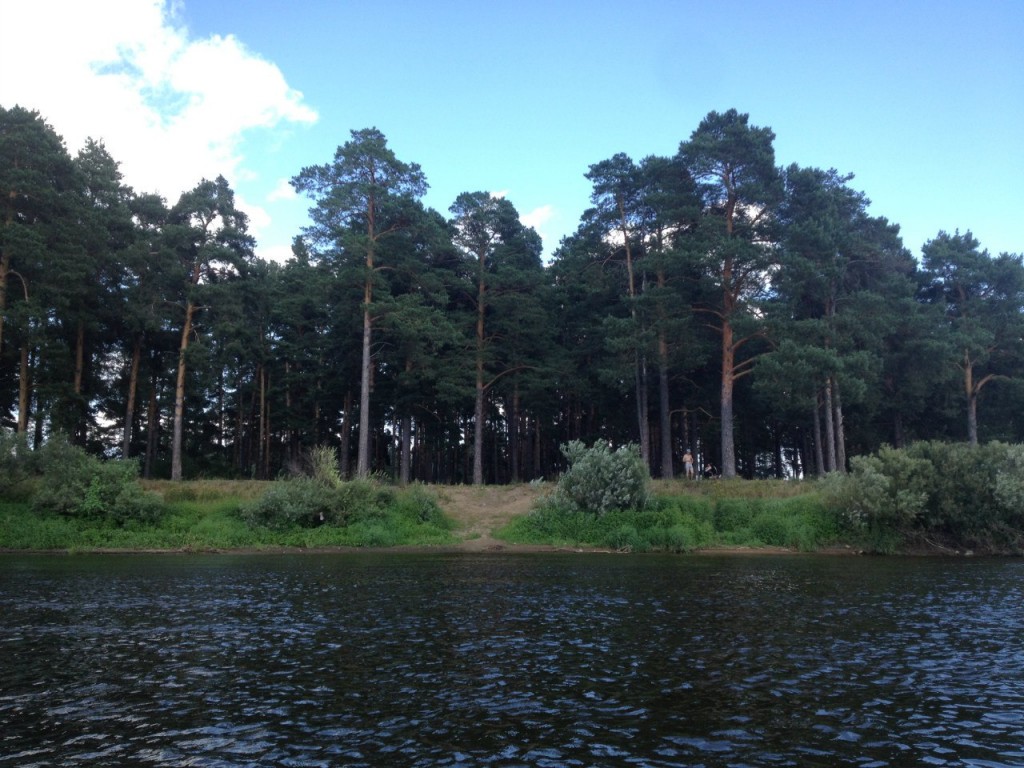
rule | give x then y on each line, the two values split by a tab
600	480
937	495
684	519
709	300
60	497
63	480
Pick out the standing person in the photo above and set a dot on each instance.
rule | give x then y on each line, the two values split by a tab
688	462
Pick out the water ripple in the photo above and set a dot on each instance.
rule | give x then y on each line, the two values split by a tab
510	661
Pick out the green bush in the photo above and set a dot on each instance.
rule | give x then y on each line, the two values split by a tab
963	495
682	523
735	514
354	513
324	461
75	484
885	491
15	467
687	536
419	506
115	494
364	500
67	474
1009	485
301	502
600	480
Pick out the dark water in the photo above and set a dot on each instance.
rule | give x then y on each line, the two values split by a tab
510	660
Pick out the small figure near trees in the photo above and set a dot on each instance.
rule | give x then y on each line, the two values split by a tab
688	463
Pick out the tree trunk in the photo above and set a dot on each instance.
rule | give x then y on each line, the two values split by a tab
819	456
639	377
152	429
80	408
5	270
79	358
24	389
265	424
514	437
664	408
728	381
363	455
346	437
642	407
262	440
405	469
478	410
971	391
837	403
830	432
179	395
133	386
478	429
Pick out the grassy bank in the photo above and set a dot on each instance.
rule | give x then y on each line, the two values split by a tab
216	515
687	516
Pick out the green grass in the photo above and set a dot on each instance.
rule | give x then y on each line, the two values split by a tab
686	517
205	515
208	515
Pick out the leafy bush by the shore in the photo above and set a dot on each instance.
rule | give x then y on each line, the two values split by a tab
682	523
62	479
600	480
946	494
378	513
16	467
205	515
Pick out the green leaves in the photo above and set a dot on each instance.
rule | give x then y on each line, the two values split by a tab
600	480
961	495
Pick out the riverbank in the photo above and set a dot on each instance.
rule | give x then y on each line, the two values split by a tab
719	518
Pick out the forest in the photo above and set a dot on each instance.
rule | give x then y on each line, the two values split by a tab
710	301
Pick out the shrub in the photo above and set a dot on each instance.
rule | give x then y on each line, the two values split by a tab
599	480
114	494
324	462
15	466
888	490
1009	485
364	500
300	502
549	524
372	514
735	514
76	484
964	494
418	506
687	536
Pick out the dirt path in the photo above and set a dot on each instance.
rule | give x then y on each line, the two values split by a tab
480	510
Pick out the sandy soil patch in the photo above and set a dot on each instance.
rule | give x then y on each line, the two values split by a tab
479	511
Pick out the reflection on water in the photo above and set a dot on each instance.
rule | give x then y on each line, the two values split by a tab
510	660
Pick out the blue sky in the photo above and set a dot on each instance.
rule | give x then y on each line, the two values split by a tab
922	101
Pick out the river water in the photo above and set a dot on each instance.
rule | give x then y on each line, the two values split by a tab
510	660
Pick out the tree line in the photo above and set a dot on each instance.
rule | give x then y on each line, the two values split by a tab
708	301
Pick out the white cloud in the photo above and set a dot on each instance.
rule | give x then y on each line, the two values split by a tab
283	191
259	219
538	217
170	109
278	253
